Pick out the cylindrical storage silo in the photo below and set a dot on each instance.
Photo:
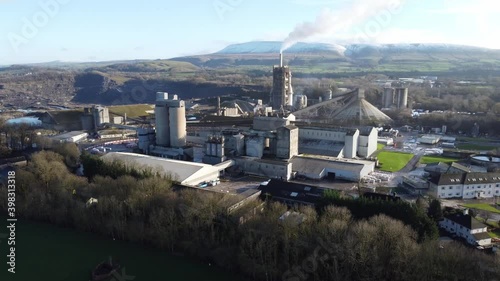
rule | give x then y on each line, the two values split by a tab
177	114
162	124
143	135
220	150
403	102
208	149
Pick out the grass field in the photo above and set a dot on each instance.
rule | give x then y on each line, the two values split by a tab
132	111
393	161
494	234
380	146
484	207
435	159
471	146
45	252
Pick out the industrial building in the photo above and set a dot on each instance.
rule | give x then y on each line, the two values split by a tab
282	91
170	121
395	98
344	169
74	136
182	172
336	141
168	138
346	109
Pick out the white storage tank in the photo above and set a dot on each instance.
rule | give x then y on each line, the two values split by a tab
177	118
162	124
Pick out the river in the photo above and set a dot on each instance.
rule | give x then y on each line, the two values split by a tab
46	252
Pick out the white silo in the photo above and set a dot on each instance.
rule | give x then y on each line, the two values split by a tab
177	119
162	120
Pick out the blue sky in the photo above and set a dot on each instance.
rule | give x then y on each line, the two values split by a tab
91	30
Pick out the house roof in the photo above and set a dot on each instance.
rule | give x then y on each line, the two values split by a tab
466	221
479	178
450	179
459	167
467	178
481	236
290	191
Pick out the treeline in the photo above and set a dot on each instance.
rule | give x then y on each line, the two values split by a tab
333	244
364	208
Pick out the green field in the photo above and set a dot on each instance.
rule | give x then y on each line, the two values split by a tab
132	111
484	207
380	146
471	146
494	234
393	161
435	159
45	252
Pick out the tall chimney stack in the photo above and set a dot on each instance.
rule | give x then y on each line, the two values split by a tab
281	59
218	107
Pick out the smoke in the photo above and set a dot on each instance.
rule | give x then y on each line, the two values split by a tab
334	21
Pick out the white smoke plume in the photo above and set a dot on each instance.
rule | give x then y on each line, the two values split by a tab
330	21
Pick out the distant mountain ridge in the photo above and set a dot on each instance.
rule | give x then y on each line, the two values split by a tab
267	47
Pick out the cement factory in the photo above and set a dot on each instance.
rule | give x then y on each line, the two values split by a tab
286	141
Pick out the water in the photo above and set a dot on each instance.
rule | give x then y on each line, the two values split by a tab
46	252
34	121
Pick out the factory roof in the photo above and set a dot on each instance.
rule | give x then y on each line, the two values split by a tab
316	166
291	127
68	135
325	127
182	172
366	131
244	105
63	116
362	110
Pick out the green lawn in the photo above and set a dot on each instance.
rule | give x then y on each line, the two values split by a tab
470	146
380	146
132	111
435	159
393	161
484	207
494	234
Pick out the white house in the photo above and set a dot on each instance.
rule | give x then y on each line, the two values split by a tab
467	185
465	226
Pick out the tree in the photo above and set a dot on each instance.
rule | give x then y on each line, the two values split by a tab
435	211
70	153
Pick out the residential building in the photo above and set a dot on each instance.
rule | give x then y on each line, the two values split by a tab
465	226
466	185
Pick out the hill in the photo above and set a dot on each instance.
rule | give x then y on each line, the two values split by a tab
237	69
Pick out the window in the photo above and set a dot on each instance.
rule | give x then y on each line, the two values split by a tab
443	188
452	180
451	187
458	194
